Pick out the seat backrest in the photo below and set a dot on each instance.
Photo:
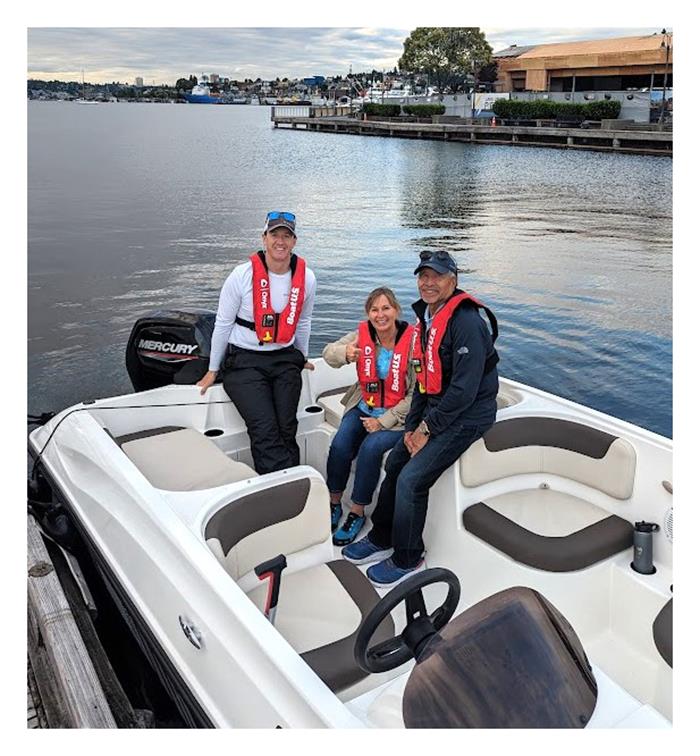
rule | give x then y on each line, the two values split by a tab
282	519
549	445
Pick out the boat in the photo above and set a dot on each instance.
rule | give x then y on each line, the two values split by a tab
229	98
534	611
83	100
201	94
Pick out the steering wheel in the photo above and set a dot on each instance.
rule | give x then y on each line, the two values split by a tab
420	626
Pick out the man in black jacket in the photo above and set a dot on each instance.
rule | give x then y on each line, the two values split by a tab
455	404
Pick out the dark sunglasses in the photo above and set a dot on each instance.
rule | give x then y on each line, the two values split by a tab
277	214
441	255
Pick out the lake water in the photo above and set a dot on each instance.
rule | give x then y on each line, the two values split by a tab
134	207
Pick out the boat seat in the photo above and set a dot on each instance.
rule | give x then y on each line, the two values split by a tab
542	527
662	630
320	606
333	408
319	612
181	459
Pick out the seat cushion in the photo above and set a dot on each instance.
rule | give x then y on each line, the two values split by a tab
662	630
319	612
332	406
548	530
547	512
182	460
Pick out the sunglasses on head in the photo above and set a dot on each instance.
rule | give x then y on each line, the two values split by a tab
427	254
277	214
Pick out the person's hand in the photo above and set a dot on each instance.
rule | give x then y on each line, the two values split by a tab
309	366
207	381
418	441
408	441
352	351
371	424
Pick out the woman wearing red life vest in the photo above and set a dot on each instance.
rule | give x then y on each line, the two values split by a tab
375	406
261	339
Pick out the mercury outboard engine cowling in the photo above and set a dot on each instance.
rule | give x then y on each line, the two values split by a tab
169	346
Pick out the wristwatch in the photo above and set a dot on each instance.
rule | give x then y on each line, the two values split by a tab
423	428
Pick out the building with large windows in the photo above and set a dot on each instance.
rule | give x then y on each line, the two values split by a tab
618	64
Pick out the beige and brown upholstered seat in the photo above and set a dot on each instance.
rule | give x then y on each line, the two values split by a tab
333	407
543	527
181	459
320	607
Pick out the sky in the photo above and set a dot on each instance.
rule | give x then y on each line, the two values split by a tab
162	55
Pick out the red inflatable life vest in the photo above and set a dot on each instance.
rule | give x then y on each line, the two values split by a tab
427	362
272	327
378	392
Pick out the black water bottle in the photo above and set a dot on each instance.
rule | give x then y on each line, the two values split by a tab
643	546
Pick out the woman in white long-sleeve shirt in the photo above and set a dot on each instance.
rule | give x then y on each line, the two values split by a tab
261	337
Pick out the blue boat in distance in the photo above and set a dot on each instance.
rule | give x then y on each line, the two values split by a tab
201	95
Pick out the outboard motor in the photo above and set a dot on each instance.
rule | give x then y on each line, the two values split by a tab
169	346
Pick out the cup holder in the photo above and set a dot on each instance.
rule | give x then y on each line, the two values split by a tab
313	409
213	432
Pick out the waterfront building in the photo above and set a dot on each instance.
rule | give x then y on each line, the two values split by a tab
139	81
618	64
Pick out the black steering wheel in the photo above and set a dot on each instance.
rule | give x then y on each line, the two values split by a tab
420	626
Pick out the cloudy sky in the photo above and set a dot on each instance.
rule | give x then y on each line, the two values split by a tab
162	55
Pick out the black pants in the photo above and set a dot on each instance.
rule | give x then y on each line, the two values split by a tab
402	506
265	388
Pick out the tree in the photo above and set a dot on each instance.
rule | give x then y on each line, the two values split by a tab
184	84
445	53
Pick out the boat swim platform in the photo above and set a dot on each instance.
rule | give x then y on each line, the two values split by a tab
337	121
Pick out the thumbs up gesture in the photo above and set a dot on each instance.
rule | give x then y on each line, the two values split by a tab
352	351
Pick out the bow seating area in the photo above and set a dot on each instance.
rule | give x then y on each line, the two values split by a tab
333	406
536	521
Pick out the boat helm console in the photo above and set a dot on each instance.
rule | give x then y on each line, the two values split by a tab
510	661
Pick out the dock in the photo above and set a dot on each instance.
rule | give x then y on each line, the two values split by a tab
70	681
342	120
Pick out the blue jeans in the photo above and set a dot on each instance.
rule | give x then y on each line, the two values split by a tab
352	440
402	506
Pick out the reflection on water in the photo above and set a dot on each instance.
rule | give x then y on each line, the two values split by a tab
137	207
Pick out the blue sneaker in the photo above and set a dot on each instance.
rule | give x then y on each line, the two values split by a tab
364	551
349	532
336	514
386	574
